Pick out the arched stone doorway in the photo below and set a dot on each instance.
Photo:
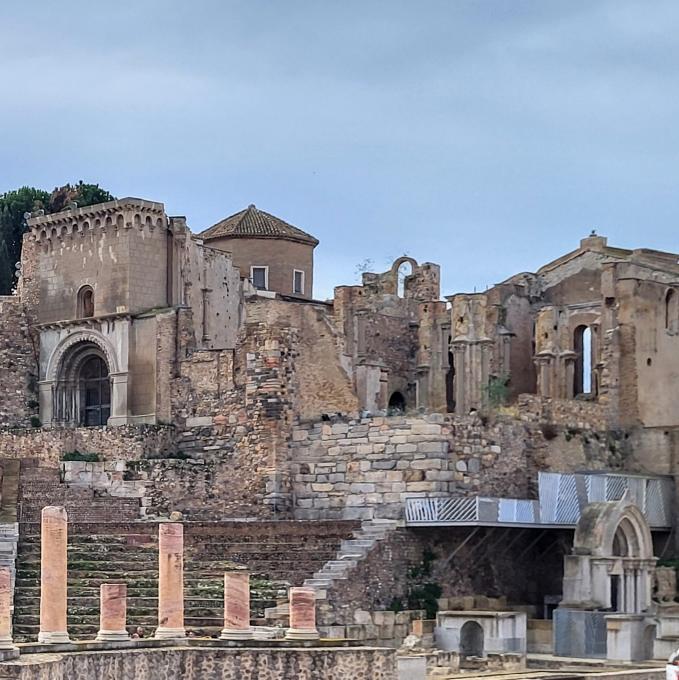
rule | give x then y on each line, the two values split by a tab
82	394
95	392
471	639
83	386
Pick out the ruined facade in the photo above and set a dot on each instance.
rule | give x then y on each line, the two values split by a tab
197	386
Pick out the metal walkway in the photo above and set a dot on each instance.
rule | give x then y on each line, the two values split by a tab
562	497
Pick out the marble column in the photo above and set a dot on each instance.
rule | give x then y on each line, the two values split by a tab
170	581
112	612
53	575
302	615
236	606
6	609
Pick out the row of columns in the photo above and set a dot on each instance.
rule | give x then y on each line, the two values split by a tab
113	596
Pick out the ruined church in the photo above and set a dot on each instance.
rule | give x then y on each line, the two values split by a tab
407	455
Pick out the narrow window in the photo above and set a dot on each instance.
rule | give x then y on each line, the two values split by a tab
85	303
298	282
671	311
583	360
260	277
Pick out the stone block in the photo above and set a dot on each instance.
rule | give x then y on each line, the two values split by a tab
322	487
362	616
427	464
406	448
362	488
199	421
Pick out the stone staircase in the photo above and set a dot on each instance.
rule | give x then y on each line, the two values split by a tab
41	486
350	552
338	568
277	554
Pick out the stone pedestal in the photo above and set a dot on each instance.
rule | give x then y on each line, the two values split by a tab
237	606
302	615
5	609
53	575
170	581
113	612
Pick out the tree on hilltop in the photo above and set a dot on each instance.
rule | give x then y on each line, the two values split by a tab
14	204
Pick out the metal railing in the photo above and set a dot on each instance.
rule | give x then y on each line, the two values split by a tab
562	500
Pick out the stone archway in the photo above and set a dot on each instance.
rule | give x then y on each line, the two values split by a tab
471	639
82	389
612	563
83	386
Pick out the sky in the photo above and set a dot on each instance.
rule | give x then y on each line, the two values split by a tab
488	136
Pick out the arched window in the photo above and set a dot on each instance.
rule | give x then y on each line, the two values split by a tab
671	311
85	302
95	392
582	345
404	270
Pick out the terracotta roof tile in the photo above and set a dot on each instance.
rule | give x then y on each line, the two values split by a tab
255	223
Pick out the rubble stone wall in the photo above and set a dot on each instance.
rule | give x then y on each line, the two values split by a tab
18	366
268	663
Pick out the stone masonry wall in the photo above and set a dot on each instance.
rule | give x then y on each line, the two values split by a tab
18	366
571	413
195	663
127	442
367	468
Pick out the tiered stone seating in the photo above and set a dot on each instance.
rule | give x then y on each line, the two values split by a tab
276	553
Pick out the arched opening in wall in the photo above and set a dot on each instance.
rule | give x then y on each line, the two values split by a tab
95	392
450	381
582	346
671	311
82	394
471	639
85	302
397	404
402	273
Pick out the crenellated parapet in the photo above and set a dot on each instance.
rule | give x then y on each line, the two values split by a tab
118	215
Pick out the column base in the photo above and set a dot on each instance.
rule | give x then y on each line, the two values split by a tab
53	637
6	643
237	634
301	634
163	633
106	635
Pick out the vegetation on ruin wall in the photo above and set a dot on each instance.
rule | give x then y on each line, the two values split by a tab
421	591
13	206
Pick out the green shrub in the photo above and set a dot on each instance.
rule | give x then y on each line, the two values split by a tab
35	421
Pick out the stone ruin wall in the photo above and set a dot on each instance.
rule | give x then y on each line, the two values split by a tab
196	663
367	468
18	374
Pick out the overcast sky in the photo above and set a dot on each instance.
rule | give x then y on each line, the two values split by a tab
486	135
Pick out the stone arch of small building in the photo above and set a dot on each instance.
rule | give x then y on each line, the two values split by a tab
471	639
613	529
